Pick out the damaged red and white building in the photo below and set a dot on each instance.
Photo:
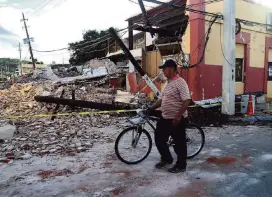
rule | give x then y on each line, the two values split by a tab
253	47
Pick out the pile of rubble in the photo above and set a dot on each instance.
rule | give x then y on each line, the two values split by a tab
63	72
20	80
19	98
66	135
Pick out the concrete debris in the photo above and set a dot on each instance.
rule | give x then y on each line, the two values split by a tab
19	99
24	79
125	97
47	74
62	136
24	138
63	72
65	135
7	131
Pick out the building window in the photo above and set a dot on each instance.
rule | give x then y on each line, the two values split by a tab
239	72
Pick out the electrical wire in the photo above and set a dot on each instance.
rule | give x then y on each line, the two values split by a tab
154	20
94	42
133	27
205	44
42	6
199	45
184	7
187	8
89	46
203	3
101	49
222	47
76	45
98	49
49	50
138	4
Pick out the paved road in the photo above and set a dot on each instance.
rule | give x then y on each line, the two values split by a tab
236	162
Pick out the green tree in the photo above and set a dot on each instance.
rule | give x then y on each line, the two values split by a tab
90	47
9	64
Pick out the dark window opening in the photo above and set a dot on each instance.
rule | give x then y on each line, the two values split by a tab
239	72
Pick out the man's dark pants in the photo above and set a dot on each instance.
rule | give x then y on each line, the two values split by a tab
164	129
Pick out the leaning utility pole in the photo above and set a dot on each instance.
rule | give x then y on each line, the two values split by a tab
228	83
20	51
29	42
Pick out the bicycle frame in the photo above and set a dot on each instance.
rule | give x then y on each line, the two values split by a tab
139	122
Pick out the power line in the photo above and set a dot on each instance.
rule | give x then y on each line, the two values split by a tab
97	49
245	22
138	4
101	49
205	44
39	8
162	15
204	3
49	51
94	43
167	4
222	47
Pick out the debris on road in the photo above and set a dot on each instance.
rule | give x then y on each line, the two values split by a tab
6	131
66	135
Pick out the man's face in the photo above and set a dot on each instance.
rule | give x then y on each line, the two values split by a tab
168	72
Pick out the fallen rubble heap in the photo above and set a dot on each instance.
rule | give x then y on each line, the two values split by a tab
65	135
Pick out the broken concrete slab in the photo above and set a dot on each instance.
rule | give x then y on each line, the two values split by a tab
7	131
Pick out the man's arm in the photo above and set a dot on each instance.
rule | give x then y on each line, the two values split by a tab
183	108
156	105
185	97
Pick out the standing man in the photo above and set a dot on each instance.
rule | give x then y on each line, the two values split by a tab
174	103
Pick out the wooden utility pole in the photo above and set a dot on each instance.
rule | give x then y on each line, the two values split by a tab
20	61
29	42
228	79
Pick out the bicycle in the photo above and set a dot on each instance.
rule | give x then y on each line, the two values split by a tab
138	131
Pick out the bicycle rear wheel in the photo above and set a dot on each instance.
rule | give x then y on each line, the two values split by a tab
133	145
195	139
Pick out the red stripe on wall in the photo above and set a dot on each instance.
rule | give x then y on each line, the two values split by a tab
197	31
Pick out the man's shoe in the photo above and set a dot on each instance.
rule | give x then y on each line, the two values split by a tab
162	164
176	169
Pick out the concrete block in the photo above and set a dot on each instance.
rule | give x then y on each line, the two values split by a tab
7	131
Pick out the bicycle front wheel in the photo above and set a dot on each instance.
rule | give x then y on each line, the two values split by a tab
195	139
133	145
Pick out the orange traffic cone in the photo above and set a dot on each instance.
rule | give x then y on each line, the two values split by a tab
250	106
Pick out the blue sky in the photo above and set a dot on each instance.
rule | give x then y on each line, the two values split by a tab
57	23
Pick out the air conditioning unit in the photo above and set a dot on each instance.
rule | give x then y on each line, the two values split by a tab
269	22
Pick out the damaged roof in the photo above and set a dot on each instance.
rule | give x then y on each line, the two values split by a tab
163	17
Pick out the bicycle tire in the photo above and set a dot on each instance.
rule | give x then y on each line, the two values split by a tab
117	143
202	139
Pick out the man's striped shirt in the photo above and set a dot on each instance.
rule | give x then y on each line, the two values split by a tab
174	94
